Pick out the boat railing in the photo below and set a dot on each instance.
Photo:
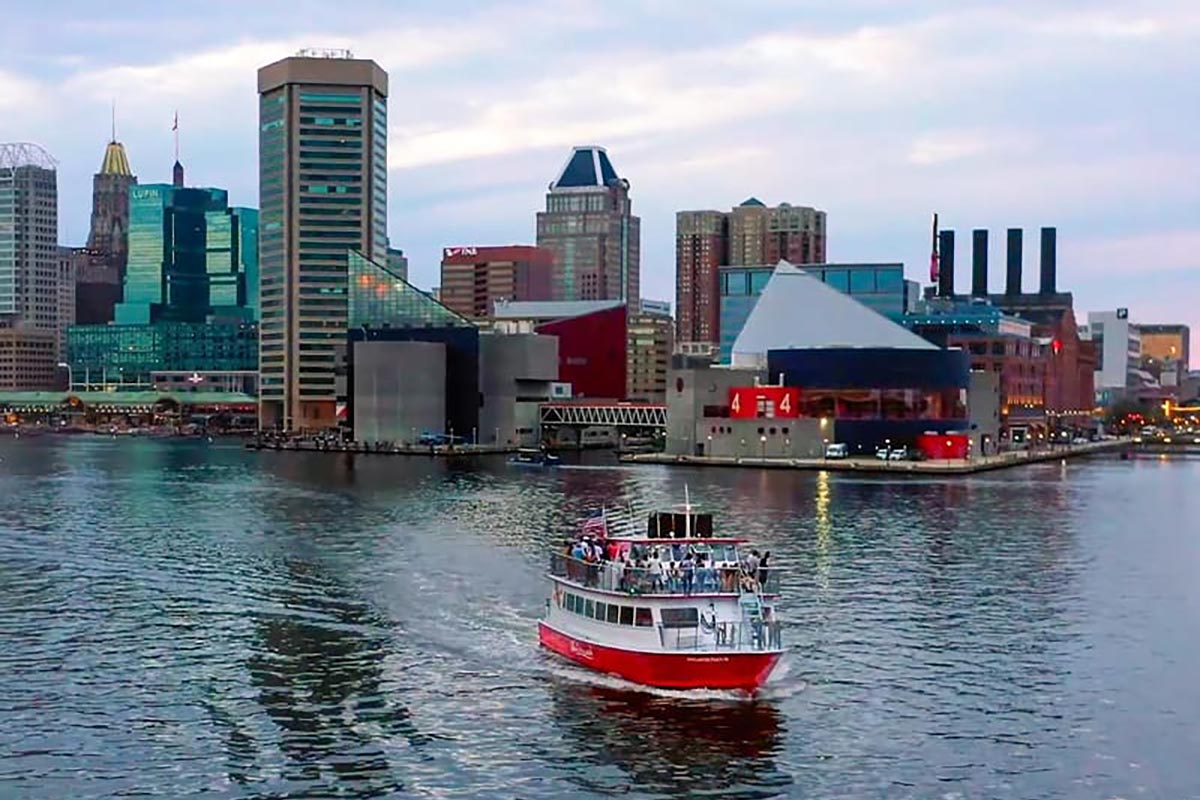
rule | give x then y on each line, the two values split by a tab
749	635
622	576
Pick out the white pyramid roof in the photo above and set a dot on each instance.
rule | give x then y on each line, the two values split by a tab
798	311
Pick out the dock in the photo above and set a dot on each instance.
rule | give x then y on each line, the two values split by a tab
965	466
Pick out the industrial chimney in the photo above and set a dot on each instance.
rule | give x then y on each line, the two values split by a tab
1012	278
1049	260
979	270
946	264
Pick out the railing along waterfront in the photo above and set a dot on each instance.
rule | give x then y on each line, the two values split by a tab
753	635
622	576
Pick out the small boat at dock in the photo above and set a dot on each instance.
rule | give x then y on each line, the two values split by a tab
533	457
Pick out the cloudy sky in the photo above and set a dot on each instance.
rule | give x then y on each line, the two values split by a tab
1083	114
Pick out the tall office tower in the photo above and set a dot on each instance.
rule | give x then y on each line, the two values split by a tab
108	236
397	262
701	248
192	258
589	226
762	235
29	267
323	192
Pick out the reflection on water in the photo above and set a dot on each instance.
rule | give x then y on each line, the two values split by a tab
668	745
180	618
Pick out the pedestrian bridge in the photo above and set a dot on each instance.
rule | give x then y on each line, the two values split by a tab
608	415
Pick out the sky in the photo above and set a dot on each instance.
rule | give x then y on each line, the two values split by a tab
1083	114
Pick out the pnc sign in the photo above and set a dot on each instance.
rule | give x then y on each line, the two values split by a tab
454	252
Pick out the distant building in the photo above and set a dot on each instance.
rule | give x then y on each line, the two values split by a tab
606	350
29	268
130	357
1166	352
475	279
323	194
880	287
397	262
1069	381
1118	346
749	235
191	257
590	228
108	235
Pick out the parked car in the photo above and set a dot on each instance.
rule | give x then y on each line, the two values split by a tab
836	450
882	454
1079	440
898	454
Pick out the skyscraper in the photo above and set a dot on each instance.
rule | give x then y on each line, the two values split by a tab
474	279
323	191
589	226
701	248
29	266
751	234
191	257
110	206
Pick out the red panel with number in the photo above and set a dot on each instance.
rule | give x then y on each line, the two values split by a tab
764	402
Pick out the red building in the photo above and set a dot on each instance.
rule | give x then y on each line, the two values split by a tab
474	278
700	249
592	352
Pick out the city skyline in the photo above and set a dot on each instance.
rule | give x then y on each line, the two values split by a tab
891	116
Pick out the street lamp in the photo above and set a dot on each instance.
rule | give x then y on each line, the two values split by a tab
763	441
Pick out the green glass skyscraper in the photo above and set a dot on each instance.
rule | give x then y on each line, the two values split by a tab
323	193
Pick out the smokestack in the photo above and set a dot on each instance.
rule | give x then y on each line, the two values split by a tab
979	276
1016	243
1049	260
945	263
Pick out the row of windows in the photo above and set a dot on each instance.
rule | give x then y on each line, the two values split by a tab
614	613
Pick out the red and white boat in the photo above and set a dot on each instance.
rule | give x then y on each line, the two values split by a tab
672	605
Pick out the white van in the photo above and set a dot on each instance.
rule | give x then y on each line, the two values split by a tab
836	450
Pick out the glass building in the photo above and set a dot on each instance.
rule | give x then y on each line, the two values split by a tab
879	287
323	193
124	356
191	257
380	298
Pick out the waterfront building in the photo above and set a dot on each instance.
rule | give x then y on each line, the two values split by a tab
608	350
879	286
813	366
475	279
126	357
30	303
1068	394
323	194
751	234
590	228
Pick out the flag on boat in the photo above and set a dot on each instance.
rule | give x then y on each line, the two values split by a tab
595	525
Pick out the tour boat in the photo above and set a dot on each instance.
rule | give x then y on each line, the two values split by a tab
704	621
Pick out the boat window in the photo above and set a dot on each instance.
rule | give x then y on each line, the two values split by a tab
626	615
588	609
612	613
642	617
601	611
680	617
570	602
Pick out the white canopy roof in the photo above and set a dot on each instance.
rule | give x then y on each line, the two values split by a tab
798	311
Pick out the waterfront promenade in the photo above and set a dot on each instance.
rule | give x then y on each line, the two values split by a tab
958	466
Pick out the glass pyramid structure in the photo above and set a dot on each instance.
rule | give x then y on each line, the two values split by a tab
380	298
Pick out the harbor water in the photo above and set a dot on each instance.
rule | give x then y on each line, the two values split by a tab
186	618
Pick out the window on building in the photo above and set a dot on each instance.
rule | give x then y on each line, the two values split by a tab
862	281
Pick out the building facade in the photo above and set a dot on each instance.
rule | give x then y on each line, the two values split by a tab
191	257
590	228
127	357
1118	346
759	234
108	234
30	313
701	248
397	262
879	287
650	341
475	279
323	193
1166	352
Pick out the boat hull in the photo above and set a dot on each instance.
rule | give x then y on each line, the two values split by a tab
746	671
